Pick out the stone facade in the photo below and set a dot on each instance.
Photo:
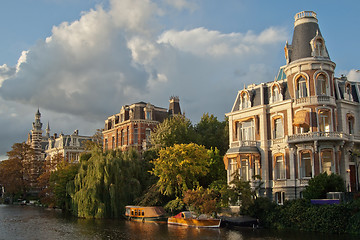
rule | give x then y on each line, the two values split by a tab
131	128
303	123
46	146
69	146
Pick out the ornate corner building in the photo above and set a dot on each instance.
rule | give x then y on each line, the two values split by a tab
303	123
131	128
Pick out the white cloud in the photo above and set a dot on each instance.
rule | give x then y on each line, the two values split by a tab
87	69
204	42
354	75
182	4
5	73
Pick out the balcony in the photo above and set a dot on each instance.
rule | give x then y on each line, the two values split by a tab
315	136
315	100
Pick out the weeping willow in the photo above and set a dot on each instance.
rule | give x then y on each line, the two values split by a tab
106	182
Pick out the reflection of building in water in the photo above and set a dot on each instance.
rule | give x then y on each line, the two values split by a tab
303	123
131	127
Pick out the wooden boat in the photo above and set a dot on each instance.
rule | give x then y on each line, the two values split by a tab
145	214
187	219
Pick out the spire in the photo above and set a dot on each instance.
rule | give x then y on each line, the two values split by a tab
48	130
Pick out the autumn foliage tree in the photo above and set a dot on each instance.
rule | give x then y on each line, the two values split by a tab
201	201
15	172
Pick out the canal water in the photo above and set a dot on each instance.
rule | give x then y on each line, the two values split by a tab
27	222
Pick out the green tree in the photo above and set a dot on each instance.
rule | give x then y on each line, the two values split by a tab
180	167
61	182
107	182
174	130
217	172
238	192
212	133
323	183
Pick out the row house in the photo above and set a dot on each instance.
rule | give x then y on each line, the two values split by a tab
303	123
131	128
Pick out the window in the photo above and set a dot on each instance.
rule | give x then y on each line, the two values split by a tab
326	160
113	143
321	85
348	95
127	136
276	96
106	144
245	101
122	137
279	168
256	168
305	165
324	121
350	124
246	130
233	167
278	128
148	115
245	168
148	133
280	198
136	138
301	88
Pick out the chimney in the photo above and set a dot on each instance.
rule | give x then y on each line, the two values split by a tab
174	106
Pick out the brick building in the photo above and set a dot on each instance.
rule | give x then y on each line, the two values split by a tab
303	123
133	125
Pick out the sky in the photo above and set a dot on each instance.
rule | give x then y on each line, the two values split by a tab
79	61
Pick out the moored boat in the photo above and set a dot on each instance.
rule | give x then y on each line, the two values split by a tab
187	219
145	214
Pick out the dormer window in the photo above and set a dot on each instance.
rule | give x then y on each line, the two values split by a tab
275	94
301	88
348	95
322	88
244	100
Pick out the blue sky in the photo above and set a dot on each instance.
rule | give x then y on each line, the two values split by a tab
81	60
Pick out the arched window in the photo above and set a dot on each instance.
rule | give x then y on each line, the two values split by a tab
348	95
275	94
321	85
301	87
244	100
305	165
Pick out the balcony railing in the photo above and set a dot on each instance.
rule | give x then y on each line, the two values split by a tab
315	100
311	136
245	143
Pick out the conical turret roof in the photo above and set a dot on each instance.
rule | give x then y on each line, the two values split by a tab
306	30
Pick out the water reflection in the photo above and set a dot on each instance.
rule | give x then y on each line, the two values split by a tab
24	222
